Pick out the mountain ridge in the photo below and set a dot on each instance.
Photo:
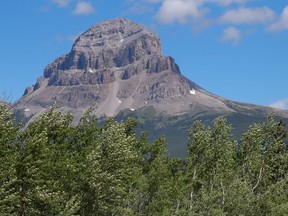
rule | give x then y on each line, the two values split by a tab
117	67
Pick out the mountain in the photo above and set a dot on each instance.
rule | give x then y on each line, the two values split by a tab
117	67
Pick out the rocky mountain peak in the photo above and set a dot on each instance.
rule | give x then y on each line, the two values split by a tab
116	33
116	65
110	44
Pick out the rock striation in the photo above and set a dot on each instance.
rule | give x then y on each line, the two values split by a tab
112	44
117	65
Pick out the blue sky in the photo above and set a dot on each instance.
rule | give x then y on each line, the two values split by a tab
237	49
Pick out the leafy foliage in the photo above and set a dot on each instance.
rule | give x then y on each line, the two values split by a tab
53	168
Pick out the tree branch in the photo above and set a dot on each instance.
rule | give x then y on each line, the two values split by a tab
223	193
258	180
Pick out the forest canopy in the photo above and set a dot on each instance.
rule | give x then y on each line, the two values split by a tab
51	167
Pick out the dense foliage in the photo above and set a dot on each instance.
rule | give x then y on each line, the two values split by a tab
53	168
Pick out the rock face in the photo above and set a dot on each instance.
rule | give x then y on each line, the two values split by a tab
113	66
117	43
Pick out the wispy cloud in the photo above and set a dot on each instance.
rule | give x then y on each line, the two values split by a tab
154	1
62	38
280	104
232	34
225	2
73	37
248	16
62	3
202	14
139	9
83	8
201	2
59	38
182	10
179	11
281	23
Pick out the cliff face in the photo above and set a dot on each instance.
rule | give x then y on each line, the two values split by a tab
118	65
118	43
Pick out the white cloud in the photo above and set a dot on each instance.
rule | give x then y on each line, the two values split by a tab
248	16
281	23
179	11
226	2
182	10
61	3
200	15
280	104
83	8
201	2
232	34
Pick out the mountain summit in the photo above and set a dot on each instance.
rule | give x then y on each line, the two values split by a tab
118	65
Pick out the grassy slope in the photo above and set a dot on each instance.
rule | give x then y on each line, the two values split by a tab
175	128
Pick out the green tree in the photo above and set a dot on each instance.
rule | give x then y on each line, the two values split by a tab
161	198
8	138
262	154
196	175
43	167
210	168
53	168
111	172
274	201
263	160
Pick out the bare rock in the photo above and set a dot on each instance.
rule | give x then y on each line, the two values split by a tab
28	90
116	65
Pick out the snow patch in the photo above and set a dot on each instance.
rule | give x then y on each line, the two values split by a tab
26	110
132	109
90	70
192	91
119	101
121	40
